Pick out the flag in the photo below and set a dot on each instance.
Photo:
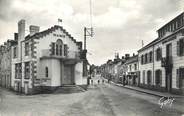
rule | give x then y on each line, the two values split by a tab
59	20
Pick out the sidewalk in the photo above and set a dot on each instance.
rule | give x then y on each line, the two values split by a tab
147	91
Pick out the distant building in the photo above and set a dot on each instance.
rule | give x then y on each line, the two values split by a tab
5	64
46	59
113	69
132	70
161	62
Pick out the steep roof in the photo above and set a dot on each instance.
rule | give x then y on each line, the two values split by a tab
149	45
132	59
171	20
50	30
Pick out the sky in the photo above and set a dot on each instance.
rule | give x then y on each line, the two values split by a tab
119	25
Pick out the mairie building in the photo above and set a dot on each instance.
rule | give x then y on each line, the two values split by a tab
46	59
161	62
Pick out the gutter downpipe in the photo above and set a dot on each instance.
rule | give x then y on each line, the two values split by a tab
21	64
153	65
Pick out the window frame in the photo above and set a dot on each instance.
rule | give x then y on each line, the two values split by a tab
27	70
149	77
158	77
146	58
26	48
158	54
181	47
150	56
46	72
15	52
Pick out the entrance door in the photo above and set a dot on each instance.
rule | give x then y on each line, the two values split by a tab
168	69
68	75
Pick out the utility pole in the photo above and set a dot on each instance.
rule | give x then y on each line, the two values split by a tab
88	32
84	38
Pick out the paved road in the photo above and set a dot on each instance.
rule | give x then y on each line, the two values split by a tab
99	100
127	102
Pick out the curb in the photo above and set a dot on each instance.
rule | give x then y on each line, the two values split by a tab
157	95
136	89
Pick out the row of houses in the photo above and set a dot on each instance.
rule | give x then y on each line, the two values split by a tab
159	65
46	59
121	70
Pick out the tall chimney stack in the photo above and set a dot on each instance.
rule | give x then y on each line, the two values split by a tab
21	29
127	56
33	29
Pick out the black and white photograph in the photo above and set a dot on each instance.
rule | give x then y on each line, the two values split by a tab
91	57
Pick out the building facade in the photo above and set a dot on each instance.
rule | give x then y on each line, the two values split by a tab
161	62
132	70
46	59
5	64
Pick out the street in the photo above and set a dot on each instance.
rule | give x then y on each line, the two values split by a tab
100	100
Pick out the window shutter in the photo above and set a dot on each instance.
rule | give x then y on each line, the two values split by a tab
160	77
160	54
65	50
178	48
53	48
57	50
177	78
181	74
182	47
156	55
148	58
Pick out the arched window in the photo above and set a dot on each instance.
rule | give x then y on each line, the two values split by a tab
59	46
46	72
149	77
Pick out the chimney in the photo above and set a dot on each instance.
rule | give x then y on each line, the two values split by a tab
127	56
21	29
33	29
16	36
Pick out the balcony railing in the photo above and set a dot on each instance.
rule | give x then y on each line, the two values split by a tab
69	55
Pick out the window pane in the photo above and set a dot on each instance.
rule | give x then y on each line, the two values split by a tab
57	49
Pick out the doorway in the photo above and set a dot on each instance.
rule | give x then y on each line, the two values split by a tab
68	77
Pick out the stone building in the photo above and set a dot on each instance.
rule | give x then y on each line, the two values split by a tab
46	59
161	62
5	63
132	70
